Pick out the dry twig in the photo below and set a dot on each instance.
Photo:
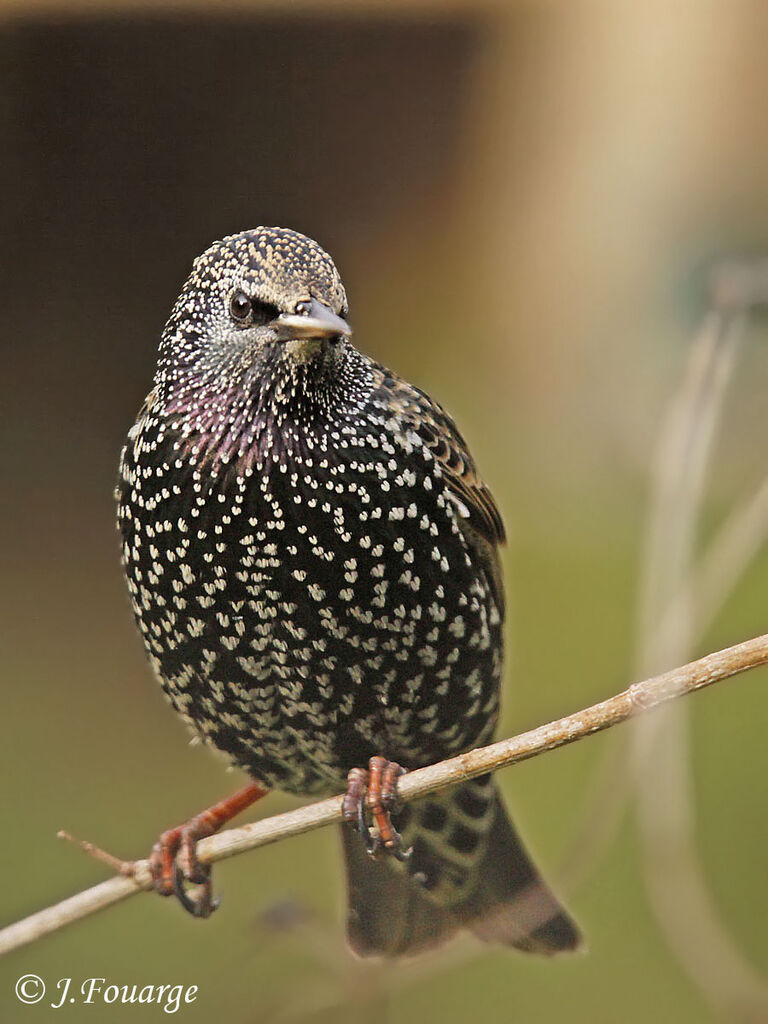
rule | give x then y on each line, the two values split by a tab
635	699
671	619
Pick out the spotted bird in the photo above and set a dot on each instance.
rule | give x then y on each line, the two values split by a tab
313	564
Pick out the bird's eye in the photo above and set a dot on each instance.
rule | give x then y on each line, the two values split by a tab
240	306
304	308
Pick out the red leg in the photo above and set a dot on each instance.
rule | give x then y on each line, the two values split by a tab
353	806
174	855
380	781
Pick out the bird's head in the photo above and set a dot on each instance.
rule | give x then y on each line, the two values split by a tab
256	353
265	297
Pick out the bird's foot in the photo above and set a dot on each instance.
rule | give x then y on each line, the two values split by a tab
174	860
375	792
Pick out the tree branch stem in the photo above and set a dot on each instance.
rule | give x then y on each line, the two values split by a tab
637	698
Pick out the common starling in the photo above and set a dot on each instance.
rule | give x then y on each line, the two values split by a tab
313	564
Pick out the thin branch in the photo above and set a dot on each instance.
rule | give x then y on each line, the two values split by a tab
724	563
635	699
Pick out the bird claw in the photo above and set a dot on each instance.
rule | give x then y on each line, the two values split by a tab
375	792
399	852
174	861
202	904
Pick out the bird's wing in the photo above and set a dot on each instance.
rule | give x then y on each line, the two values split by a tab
479	514
476	503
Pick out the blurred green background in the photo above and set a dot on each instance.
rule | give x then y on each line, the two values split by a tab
523	200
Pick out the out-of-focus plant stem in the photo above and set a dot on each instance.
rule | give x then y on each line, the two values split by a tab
670	621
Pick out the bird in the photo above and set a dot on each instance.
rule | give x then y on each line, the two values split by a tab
313	562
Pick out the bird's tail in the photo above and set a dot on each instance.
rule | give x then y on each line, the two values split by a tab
468	869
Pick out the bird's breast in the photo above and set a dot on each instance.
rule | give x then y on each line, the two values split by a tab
308	591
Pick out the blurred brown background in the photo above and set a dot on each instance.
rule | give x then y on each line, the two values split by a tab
523	200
